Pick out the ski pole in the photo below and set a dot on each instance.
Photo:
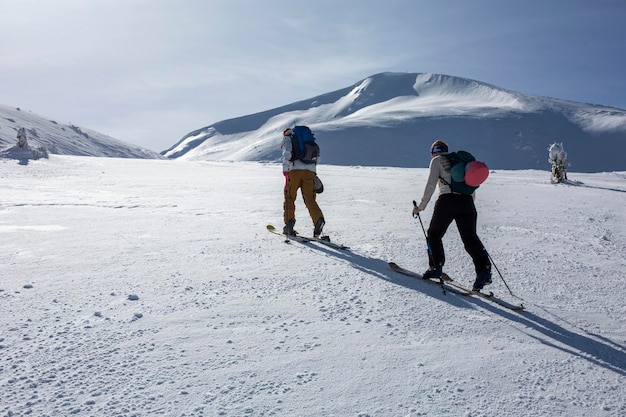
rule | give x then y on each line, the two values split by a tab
499	273
430	251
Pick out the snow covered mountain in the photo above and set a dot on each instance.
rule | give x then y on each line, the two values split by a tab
390	119
63	138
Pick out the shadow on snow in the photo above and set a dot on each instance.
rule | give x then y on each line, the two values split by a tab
596	349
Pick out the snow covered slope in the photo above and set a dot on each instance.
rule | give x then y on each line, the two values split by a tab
62	138
151	288
390	119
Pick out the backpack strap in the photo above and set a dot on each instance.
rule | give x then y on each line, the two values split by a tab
448	184
441	178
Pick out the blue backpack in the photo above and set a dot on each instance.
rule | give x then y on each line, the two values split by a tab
304	147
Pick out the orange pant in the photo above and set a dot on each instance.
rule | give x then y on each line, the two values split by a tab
305	180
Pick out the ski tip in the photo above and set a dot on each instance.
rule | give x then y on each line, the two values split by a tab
270	227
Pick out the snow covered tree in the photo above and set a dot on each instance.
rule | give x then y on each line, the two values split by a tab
22	140
23	150
558	158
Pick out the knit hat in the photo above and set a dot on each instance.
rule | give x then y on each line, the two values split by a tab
438	146
287	132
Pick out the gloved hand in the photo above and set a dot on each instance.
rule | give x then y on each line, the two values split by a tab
286	174
416	210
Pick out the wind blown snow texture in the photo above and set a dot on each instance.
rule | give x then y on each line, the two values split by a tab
388	119
151	287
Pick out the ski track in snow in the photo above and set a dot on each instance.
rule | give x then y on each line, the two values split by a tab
143	288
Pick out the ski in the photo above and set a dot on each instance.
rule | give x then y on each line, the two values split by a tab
296	238
326	242
454	286
443	284
307	239
490	296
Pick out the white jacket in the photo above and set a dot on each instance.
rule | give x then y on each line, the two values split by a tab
297	164
439	168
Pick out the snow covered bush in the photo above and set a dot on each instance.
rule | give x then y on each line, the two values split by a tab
40	152
558	158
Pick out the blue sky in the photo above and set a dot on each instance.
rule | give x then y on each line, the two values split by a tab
150	71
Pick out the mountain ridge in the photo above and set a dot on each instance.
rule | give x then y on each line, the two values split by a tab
509	129
64	138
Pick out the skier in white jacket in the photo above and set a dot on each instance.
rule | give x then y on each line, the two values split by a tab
451	207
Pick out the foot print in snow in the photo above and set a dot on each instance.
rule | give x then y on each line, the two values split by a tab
305	377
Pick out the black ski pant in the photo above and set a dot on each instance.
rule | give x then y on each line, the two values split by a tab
461	209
